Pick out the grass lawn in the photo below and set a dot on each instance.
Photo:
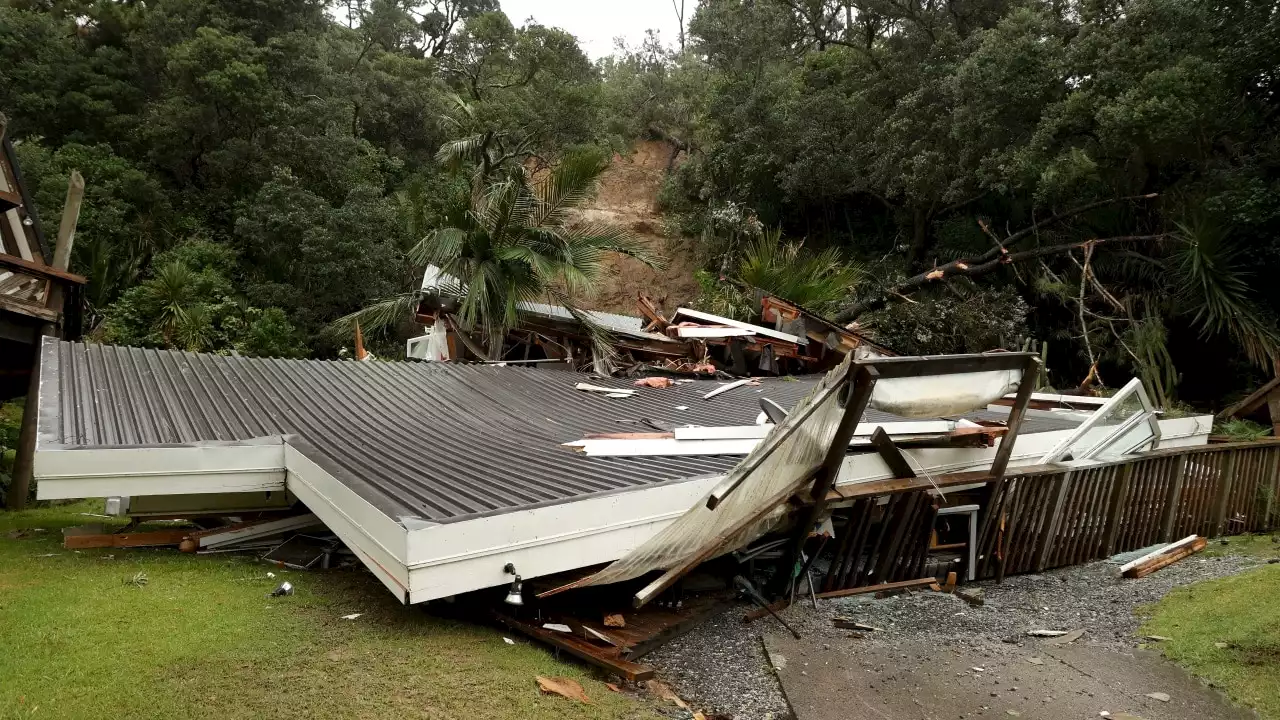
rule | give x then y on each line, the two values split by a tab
1228	632
202	639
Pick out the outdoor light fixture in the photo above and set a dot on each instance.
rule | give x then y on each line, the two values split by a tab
513	593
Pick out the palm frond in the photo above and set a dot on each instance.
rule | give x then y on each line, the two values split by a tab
1216	293
614	238
440	247
456	152
382	315
568	185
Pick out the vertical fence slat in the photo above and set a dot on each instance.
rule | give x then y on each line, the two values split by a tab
1115	511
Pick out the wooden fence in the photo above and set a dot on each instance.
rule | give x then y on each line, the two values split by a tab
1045	517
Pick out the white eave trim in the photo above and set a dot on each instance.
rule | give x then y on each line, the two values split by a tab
65	473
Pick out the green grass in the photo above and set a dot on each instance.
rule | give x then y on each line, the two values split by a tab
1242	612
202	640
1259	546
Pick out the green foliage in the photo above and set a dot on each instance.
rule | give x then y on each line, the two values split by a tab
10	426
814	280
956	320
1241	430
516	243
189	303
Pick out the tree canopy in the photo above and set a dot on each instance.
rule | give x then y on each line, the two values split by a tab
1101	175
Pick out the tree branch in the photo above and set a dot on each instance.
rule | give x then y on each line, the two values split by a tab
973	268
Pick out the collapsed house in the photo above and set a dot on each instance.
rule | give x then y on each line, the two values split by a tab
438	476
691	342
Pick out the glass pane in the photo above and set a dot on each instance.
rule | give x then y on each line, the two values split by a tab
1132	440
1113	417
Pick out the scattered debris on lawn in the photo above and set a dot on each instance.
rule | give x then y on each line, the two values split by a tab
564	687
285	588
138	580
352	616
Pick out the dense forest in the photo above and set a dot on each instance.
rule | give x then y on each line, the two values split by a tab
953	175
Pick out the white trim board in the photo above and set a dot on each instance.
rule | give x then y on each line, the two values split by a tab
767	332
63	474
758	432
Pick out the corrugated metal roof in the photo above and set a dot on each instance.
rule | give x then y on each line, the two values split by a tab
436	441
621	324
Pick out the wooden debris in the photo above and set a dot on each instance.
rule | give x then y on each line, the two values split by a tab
605	657
613	687
615	620
753	615
1070	637
1164	557
922	582
848	624
588	387
973	597
951	583
1047	633
156	538
730	386
662	692
654	382
564	687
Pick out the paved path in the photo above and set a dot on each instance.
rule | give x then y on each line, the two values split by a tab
922	680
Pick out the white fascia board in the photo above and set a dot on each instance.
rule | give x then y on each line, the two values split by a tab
767	332
1096	402
453	558
187	470
1185	432
1058	414
713	332
758	432
379	541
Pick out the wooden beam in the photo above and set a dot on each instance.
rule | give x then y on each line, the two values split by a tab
9	200
902	585
22	307
66	239
1163	557
601	657
1030	376
892	456
889	487
38	270
125	540
860	383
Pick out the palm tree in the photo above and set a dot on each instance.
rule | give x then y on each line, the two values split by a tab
818	281
516	244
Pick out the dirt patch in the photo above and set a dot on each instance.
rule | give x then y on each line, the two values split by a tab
628	196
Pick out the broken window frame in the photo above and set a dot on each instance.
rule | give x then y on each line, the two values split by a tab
1148	414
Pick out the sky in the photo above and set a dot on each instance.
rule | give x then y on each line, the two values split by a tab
597	22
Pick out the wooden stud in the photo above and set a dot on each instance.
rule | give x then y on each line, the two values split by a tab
1055	518
1226	479
892	456
1115	511
1172	499
902	585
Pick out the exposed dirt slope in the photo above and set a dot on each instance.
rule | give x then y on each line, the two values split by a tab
628	196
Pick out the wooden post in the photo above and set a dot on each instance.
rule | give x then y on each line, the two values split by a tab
1115	511
859	388
1030	374
1273	406
25	456
1171	500
1273	487
1226	481
1055	519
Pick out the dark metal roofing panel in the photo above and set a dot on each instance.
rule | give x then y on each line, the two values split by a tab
434	441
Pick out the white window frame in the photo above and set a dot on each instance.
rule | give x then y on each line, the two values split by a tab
1147	415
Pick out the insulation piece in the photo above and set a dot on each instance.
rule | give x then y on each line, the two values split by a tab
933	396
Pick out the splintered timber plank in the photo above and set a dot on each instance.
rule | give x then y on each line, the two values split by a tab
990	530
601	657
126	540
903	585
875	550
